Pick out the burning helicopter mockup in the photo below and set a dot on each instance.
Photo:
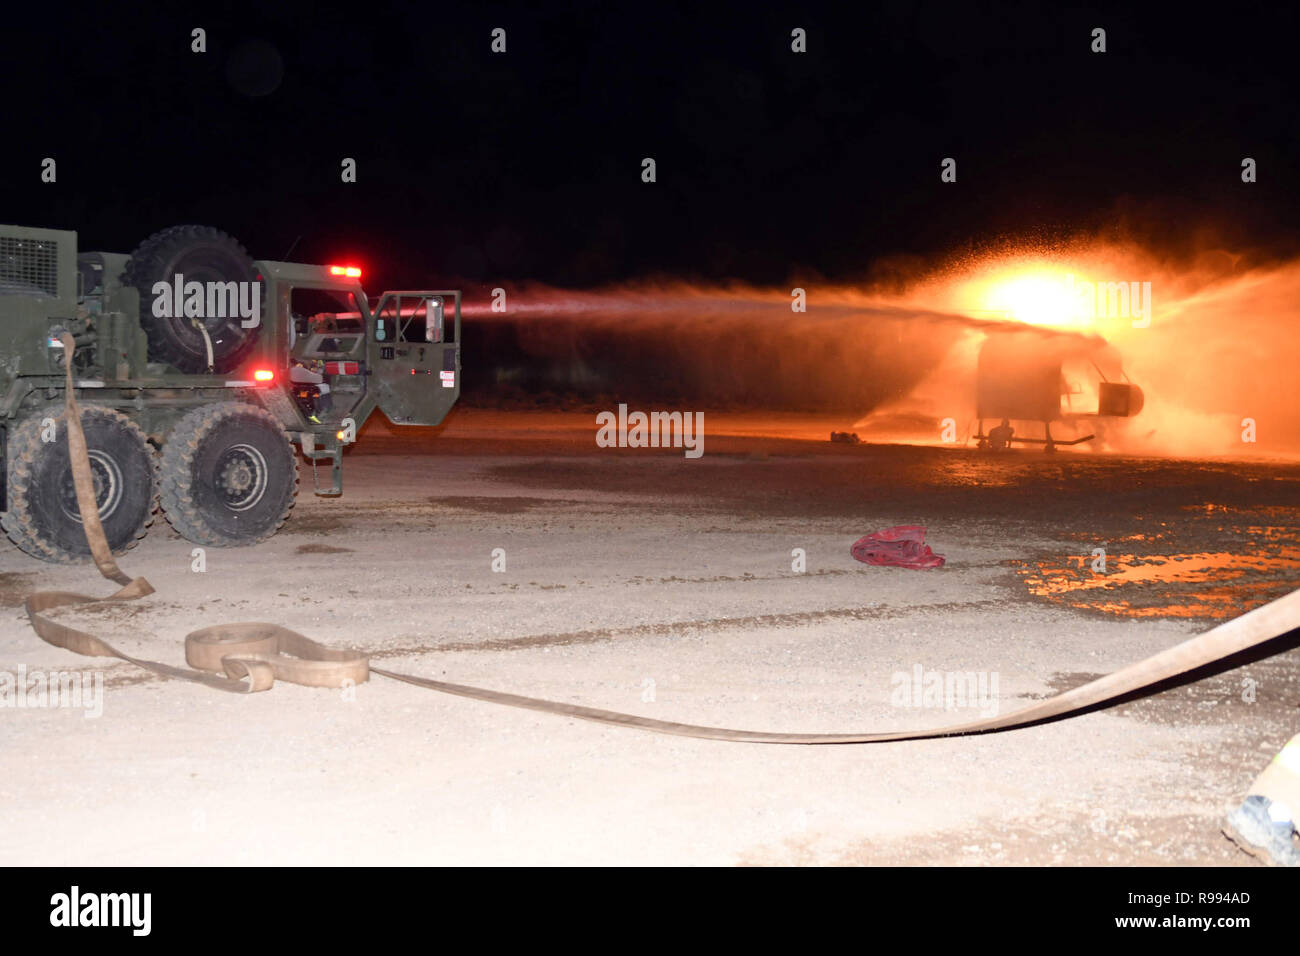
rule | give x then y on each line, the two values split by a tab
1031	375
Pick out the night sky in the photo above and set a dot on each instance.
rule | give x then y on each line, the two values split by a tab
484	168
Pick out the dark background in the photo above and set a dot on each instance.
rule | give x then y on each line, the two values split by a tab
483	169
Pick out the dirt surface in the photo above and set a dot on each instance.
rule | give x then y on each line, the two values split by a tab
646	582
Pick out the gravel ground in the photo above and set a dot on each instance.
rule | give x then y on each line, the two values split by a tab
645	582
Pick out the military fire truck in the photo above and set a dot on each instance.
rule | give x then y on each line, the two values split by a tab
198	370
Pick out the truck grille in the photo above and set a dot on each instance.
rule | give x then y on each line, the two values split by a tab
29	266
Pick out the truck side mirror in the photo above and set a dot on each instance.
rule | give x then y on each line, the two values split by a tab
433	319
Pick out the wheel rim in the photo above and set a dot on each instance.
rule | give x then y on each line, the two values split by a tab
107	477
241	477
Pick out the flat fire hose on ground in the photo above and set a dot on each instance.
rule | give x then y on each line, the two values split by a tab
250	657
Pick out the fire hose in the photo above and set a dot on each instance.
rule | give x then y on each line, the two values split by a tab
251	657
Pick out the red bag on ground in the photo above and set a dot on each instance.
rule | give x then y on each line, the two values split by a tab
903	546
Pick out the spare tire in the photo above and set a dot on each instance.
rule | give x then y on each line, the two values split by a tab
200	254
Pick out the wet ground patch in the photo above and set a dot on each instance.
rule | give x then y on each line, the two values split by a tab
1203	562
1263	694
499	504
318	523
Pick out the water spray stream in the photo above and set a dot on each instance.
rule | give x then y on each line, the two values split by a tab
1212	344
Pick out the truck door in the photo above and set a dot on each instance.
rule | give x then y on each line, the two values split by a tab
415	355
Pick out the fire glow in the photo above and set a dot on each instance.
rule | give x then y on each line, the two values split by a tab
1059	299
1210	338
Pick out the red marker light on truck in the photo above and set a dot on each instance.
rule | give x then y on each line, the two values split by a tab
263	375
352	272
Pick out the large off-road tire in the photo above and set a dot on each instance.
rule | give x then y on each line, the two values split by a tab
43	518
200	254
229	475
